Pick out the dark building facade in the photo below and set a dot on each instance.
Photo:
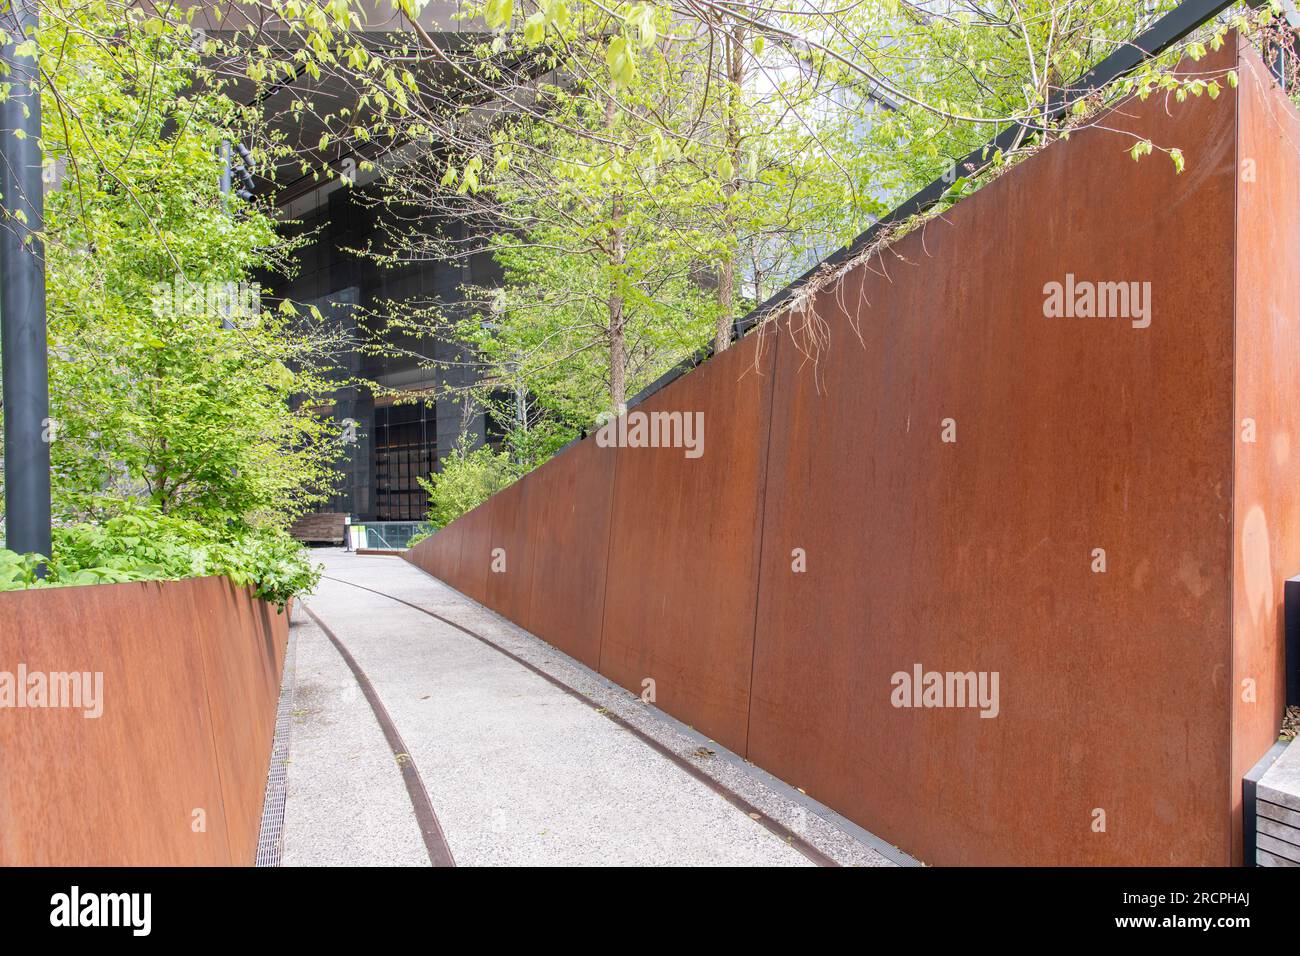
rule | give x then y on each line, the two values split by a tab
390	444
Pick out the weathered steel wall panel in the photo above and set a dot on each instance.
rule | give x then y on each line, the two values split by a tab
978	554
444	546
553	526
1266	479
430	555
1096	535
475	549
572	501
511	546
179	715
683	563
243	644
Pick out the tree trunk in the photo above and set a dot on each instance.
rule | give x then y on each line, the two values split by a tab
617	355
617	340
735	75
726	302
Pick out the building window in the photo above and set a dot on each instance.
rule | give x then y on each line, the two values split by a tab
406	447
500	417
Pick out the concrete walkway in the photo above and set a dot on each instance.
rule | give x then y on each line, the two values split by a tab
526	756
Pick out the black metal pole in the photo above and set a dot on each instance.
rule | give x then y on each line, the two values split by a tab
227	179
22	296
226	176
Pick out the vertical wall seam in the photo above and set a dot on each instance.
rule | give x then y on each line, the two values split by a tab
212	724
529	510
461	578
538	521
496	515
609	552
762	525
1234	838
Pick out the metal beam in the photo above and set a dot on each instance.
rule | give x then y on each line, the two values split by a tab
22	296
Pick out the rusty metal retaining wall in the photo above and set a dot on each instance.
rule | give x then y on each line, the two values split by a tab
829	538
174	770
1265	541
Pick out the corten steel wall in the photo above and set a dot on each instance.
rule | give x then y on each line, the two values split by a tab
556	538
191	679
512	521
1266	505
1119	690
1072	434
572	532
243	643
683	562
446	557
476	550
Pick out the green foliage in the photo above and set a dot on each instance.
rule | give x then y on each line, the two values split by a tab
468	478
138	545
659	168
185	430
151	398
680	165
533	442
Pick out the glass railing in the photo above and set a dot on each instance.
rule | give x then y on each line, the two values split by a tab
384	535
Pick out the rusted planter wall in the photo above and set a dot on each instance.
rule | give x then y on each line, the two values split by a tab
191	673
1266	478
1122	733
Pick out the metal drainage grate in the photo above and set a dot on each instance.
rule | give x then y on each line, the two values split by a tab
270	838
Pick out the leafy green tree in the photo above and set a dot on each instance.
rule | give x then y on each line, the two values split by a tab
186	419
645	172
586	208
170	382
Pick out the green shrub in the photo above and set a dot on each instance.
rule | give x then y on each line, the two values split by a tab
145	545
468	478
